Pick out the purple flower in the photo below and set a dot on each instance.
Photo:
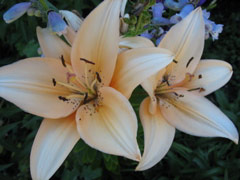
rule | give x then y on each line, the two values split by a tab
147	34
157	11
183	13
211	28
16	11
56	23
176	6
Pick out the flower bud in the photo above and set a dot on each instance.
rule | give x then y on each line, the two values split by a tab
38	13
72	19
56	23
16	11
30	11
123	25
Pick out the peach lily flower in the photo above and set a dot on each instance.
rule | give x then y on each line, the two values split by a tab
78	95
177	93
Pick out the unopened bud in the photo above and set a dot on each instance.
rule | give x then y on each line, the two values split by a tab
16	11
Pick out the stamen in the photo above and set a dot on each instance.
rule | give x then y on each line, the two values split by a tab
75	96
98	77
202	89
87	61
189	61
63	98
54	82
63	61
92	85
194	89
85	98
86	77
69	86
175	61
165	79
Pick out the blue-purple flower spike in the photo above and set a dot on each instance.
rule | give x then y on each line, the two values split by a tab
16	11
56	22
157	11
184	12
176	6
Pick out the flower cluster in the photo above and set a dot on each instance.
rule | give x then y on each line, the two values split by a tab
81	88
162	21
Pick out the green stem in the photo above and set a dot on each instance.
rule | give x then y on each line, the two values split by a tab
44	4
139	22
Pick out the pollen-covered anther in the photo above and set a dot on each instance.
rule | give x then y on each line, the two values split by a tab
87	61
189	61
64	99
54	82
63	61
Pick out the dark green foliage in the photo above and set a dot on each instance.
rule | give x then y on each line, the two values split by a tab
189	157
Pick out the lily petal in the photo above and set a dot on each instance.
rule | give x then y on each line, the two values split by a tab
158	136
28	84
124	3
186	41
136	65
196	115
72	19
52	46
111	126
70	35
135	42
97	41
210	75
54	141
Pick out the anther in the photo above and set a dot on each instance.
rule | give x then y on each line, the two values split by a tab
175	61
63	98
87	61
176	94
189	61
98	77
63	61
85	98
199	76
202	89
165	79
54	82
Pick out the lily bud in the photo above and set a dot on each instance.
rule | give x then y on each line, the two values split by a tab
56	23
72	19
16	11
123	25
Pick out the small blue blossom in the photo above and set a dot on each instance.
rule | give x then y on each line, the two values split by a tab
147	34
56	23
157	11
183	13
217	29
211	28
176	6
16	11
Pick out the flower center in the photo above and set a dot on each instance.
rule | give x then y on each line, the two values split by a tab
165	87
81	90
